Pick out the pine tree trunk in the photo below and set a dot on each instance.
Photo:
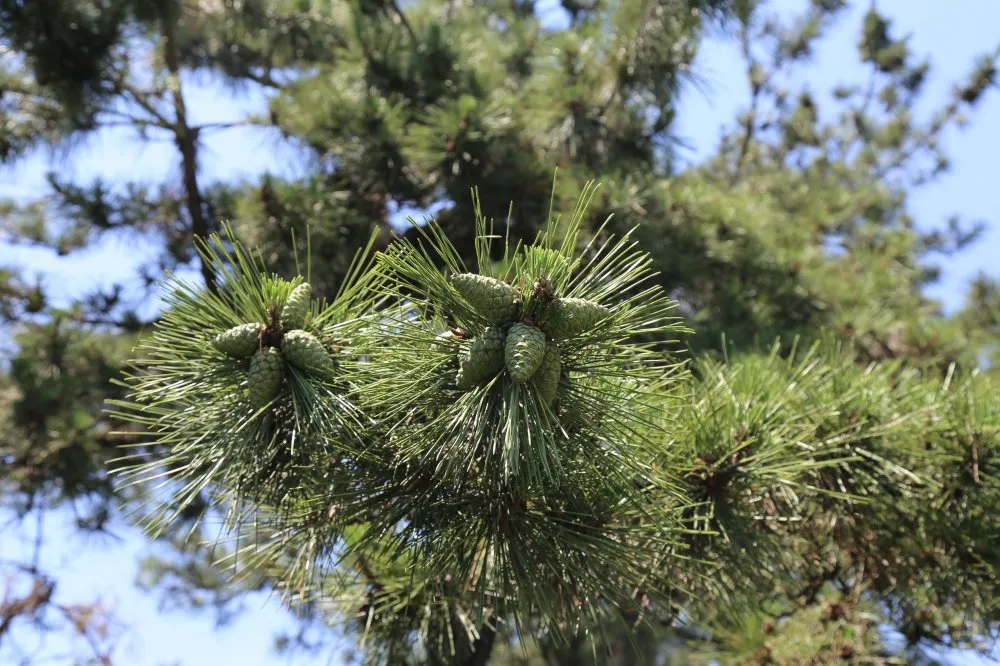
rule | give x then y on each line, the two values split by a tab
186	139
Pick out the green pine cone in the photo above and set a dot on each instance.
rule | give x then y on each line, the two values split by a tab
492	298
239	341
567	317
306	352
483	360
523	351
267	369
293	314
546	378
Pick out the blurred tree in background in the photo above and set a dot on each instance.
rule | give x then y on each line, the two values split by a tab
799	225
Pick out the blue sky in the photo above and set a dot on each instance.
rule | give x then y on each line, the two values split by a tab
85	568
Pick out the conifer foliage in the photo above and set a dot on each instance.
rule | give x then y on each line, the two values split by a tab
479	441
537	447
509	449
494	429
236	378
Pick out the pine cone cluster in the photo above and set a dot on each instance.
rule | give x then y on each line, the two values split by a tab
270	346
528	349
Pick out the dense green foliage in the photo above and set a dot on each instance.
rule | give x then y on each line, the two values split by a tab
825	461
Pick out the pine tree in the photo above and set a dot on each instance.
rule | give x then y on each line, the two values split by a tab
71	69
765	494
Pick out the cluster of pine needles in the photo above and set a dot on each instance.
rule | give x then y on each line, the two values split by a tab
383	486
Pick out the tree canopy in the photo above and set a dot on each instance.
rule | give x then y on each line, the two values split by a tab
774	444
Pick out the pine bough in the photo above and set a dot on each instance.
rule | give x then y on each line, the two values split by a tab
454	448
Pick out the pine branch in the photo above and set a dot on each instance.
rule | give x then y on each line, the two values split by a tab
458	500
140	97
404	21
753	72
132	120
36	598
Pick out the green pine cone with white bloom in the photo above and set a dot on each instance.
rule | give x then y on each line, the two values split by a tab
306	352
293	313
568	317
267	369
240	341
546	377
483	360
493	299
524	350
